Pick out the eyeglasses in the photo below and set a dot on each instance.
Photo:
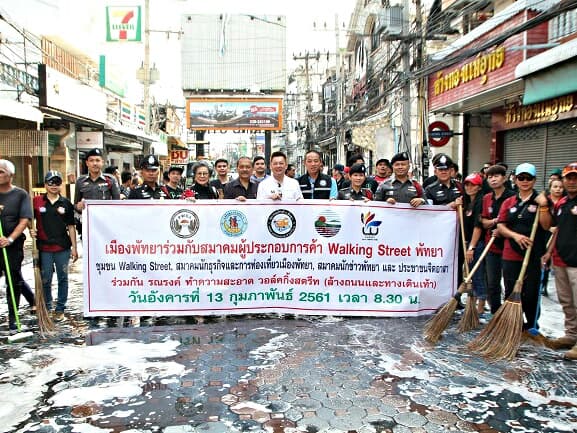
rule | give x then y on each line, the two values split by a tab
54	182
201	173
524	177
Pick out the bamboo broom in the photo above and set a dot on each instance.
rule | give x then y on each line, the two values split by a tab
439	322
45	323
470	319
435	327
502	336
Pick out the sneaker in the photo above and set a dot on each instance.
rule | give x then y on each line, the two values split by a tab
58	316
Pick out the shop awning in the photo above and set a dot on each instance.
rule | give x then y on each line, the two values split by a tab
18	110
549	74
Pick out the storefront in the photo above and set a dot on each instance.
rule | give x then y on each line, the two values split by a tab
479	89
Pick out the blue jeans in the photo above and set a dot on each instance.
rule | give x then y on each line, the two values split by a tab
493	267
479	284
47	263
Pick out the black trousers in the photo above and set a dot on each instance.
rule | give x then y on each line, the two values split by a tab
15	254
530	294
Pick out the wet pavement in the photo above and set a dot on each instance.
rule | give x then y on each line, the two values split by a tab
276	375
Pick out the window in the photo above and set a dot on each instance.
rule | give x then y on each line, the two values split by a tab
563	25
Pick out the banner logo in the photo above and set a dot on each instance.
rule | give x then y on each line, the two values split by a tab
370	225
281	223
184	224
328	224
233	223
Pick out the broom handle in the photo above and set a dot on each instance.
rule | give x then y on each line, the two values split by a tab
33	221
461	220
480	259
530	247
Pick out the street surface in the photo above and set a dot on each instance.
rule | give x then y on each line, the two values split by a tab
270	374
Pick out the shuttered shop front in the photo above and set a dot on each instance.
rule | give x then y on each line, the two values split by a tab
548	147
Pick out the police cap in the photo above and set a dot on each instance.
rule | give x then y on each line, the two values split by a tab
358	168
401	156
443	162
94	152
150	162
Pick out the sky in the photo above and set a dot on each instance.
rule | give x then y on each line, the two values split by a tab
83	24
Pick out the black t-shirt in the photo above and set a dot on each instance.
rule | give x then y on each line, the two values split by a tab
566	217
472	215
15	205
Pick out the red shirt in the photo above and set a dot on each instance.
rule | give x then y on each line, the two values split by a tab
491	208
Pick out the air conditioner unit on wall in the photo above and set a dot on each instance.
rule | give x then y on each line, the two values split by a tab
391	20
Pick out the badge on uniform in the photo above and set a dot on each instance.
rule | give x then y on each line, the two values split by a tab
513	210
61	210
532	208
42	209
323	183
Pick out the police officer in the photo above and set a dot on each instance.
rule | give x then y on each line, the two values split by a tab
358	174
150	189
399	188
445	190
314	184
95	185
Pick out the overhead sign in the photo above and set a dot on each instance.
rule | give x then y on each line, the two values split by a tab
439	134
234	113
123	24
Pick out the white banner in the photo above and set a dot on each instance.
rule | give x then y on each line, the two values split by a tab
172	257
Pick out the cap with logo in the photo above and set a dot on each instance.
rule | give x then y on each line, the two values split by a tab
51	175
443	162
339	167
150	162
474	178
385	160
178	168
526	168
401	156
357	168
94	152
570	168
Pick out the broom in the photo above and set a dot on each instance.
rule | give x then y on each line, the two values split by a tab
439	322
502	336
470	319
45	323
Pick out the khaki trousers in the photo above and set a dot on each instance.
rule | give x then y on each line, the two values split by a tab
566	285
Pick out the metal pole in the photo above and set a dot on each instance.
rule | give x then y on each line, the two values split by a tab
338	88
406	120
146	67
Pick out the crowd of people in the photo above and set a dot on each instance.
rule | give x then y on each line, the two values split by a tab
492	205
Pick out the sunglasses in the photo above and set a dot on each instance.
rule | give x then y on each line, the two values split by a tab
54	182
524	177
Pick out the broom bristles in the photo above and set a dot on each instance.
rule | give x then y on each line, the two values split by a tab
45	323
439	322
501	338
470	318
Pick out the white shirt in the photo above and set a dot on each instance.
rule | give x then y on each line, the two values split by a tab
289	188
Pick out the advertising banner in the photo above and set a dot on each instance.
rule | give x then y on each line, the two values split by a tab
234	114
310	257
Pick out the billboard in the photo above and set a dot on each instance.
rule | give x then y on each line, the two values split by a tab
254	114
234	52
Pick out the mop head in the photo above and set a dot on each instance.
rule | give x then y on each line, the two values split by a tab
20	336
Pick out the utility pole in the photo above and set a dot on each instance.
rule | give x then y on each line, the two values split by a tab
406	43
422	112
338	89
309	96
146	66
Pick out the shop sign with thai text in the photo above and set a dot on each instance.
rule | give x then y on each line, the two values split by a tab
478	68
305	257
546	111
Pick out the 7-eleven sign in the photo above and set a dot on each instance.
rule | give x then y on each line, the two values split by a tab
123	23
